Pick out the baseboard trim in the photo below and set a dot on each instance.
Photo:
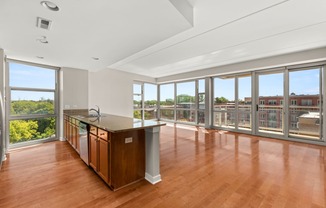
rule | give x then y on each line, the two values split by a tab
153	179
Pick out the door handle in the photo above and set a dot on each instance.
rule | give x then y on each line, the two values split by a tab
257	107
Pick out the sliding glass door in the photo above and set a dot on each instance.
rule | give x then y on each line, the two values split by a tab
224	102
232	102
289	103
304	103
244	103
270	103
186	102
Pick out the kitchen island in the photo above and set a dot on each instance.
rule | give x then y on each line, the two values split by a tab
122	150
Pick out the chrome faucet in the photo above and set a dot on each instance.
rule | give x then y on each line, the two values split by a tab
98	111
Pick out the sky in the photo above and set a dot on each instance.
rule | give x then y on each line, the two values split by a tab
31	77
301	82
166	91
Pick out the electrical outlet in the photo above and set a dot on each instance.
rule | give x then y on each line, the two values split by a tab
128	140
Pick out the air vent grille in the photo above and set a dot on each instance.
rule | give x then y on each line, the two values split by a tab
43	23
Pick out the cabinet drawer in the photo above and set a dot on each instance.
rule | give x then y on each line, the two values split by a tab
103	134
93	130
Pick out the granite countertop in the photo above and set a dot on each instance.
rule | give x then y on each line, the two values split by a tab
114	123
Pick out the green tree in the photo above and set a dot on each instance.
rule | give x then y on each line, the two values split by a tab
137	114
21	130
150	103
221	100
201	98
184	98
25	130
167	102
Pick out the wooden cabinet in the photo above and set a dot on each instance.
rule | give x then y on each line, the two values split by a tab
71	132
117	157
99	151
93	151
128	157
103	160
65	126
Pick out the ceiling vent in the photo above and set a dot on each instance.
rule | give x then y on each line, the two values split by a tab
43	23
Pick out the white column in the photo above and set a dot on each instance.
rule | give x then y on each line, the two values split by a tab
152	173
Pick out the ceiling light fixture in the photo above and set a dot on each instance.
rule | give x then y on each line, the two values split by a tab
50	5
43	40
40	57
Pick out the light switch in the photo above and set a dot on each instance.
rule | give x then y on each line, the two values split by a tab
128	140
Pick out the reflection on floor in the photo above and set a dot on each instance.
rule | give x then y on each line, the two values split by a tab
199	167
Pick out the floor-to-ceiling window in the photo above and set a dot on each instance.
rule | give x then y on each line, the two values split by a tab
224	102
186	102
183	102
33	102
145	101
138	100
284	102
201	102
304	103
244	100
167	104
232	102
150	101
270	102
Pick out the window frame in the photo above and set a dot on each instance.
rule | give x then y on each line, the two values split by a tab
56	103
143	108
196	109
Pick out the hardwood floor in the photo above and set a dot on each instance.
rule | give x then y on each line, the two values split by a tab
200	168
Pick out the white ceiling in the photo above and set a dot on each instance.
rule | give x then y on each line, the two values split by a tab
156	38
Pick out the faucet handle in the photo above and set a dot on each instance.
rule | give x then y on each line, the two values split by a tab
98	110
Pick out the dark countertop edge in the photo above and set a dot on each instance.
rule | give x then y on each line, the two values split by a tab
124	130
77	116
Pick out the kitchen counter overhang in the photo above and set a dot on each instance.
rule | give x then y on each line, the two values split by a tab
114	123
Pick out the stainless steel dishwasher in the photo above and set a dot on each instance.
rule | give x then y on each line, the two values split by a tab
83	141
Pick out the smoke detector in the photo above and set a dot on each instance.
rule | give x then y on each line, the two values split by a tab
43	23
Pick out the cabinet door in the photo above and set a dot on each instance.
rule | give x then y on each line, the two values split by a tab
77	138
65	128
103	167
70	133
93	151
74	137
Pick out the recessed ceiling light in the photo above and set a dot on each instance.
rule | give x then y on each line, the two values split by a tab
95	58
50	5
40	57
43	40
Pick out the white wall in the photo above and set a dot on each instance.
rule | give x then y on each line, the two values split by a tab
74	88
112	90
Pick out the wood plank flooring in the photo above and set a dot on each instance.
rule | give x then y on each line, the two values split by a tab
200	168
